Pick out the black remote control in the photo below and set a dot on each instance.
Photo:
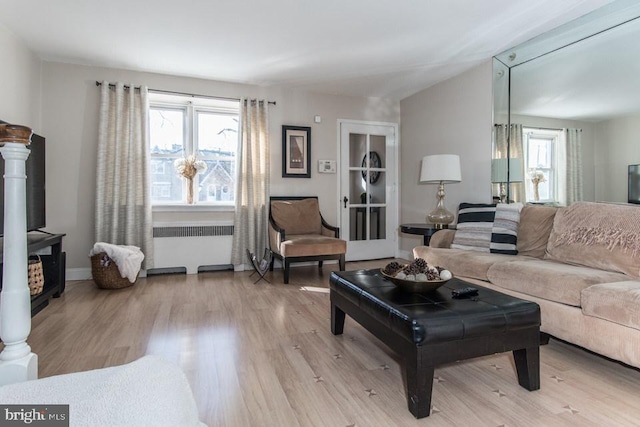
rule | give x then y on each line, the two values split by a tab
464	292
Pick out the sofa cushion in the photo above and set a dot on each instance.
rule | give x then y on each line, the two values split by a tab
297	216
597	235
475	221
616	302
504	232
533	232
550	280
461	262
311	245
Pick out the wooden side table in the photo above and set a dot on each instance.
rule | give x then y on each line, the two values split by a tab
424	230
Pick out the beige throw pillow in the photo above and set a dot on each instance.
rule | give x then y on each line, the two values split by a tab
536	222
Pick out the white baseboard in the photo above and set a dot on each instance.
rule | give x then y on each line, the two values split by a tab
85	274
78	274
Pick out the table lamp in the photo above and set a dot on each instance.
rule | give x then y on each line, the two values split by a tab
501	173
440	169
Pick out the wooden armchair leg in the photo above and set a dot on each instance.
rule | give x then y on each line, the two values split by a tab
320	264
341	262
285	267
273	259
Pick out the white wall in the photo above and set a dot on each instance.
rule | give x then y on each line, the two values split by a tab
19	82
299	108
616	147
452	117
70	124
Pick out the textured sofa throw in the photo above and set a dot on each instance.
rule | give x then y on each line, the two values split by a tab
597	235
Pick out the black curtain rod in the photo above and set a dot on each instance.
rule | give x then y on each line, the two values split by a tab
193	95
553	129
541	128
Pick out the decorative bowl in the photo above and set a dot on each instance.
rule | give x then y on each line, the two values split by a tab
414	286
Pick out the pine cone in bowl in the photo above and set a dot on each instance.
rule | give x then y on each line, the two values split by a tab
416	276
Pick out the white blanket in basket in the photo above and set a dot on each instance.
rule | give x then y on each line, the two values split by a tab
127	258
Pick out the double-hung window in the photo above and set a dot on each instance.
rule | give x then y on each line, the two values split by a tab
185	126
541	167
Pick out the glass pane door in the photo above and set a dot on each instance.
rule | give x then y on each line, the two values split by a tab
366	190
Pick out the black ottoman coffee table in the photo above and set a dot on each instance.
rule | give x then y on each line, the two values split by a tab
430	329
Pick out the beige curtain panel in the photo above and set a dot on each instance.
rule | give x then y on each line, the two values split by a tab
571	156
123	199
252	183
511	138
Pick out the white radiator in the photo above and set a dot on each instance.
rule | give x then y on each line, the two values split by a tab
191	245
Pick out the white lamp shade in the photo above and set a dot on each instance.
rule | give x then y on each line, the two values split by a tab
441	167
500	172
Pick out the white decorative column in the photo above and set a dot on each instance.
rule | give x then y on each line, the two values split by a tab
17	362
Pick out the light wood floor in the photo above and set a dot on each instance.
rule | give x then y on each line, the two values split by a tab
263	355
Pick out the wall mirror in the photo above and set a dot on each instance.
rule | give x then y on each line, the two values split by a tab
567	111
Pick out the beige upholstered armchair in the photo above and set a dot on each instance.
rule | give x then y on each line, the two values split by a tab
298	233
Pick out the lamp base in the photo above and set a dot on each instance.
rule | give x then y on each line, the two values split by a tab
440	216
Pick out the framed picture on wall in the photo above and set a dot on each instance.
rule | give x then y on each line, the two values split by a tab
296	152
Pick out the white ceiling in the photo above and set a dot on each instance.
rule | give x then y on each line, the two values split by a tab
383	48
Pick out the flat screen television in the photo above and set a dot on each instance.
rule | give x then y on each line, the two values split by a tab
35	170
634	184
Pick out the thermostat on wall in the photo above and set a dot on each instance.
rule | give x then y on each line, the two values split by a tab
326	166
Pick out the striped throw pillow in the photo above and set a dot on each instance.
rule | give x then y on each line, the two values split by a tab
504	233
475	222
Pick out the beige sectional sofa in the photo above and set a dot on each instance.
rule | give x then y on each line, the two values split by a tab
580	263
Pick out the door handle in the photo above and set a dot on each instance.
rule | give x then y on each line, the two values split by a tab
345	200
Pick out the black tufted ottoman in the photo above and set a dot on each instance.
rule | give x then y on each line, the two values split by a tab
432	328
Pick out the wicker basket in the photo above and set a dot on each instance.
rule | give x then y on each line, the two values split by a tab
106	274
36	276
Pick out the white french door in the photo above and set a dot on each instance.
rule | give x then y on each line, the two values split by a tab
368	189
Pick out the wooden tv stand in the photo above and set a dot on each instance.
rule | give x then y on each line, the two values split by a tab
53	265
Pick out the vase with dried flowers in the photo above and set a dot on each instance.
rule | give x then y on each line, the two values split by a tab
188	167
536	178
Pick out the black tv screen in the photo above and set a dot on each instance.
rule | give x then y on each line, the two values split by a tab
634	184
35	171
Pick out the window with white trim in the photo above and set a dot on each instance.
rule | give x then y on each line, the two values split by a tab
205	128
541	164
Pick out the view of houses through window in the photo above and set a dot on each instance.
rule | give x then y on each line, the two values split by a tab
180	127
